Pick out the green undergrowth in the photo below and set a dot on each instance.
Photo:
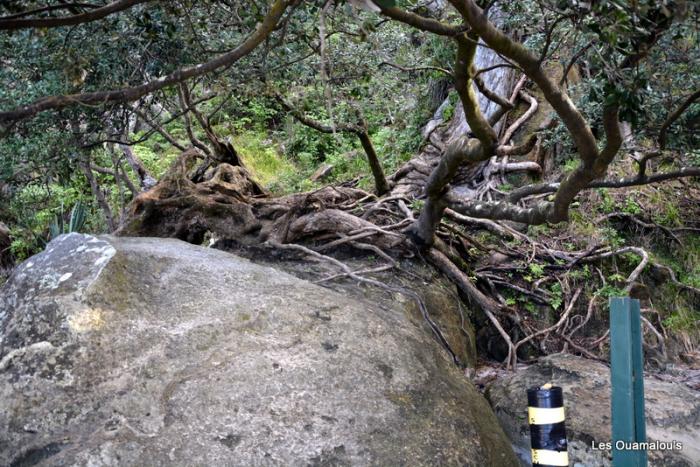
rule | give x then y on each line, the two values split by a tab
37	206
678	308
674	307
681	306
261	156
282	154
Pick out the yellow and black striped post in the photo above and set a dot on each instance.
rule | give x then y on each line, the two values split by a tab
547	431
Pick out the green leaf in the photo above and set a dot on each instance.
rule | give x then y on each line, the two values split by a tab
77	217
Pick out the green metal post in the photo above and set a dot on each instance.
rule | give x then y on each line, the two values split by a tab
627	377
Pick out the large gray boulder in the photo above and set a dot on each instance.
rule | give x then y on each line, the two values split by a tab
139	351
672	411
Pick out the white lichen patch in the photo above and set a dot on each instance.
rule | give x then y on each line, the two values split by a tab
48	281
36	348
106	251
90	319
65	277
102	259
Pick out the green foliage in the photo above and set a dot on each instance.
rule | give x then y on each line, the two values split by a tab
531	308
396	147
304	144
255	113
613	237
683	319
583	273
631	206
417	204
36	206
607	202
537	230
21	249
537	270
75	223
609	290
668	216
679	307
556	295
154	157
449	111
570	165
262	158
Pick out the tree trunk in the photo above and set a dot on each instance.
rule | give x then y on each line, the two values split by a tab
145	179
99	196
380	182
6	260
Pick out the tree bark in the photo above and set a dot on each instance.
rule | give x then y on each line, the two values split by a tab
14	23
146	181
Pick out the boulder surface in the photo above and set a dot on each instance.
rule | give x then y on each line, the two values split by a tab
142	351
672	411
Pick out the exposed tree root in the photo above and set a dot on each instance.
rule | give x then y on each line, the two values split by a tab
207	193
199	198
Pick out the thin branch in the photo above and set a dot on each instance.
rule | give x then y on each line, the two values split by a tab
543	188
573	61
61	6
490	95
313	123
641	223
486	304
133	93
494	67
158	128
418	68
561	321
380	182
9	23
663	132
523	118
422	23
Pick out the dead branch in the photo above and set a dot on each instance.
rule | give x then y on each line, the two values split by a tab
523	118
